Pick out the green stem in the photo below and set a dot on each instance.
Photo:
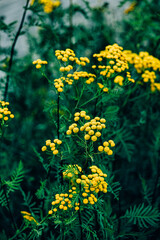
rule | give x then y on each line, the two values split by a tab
62	231
91	99
12	49
18	232
80	223
79	97
58	119
71	22
9	208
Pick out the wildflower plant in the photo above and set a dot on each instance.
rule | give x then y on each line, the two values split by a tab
87	167
147	68
5	116
48	5
80	186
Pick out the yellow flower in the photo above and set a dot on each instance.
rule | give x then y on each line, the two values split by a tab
85	201
100	148
87	137
69	132
55	152
94	138
44	148
50	212
75	130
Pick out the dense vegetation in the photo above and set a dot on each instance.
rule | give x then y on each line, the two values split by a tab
80	124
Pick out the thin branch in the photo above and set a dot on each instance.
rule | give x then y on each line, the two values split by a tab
13	48
71	21
58	105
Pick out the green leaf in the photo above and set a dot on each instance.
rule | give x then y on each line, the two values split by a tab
145	217
16	178
3	200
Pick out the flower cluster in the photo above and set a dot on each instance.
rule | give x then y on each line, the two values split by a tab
91	128
63	201
101	86
68	55
5	114
105	148
112	59
85	184
119	80
112	62
51	146
68	61
149	76
76	75
84	188
142	61
28	217
39	63
48	5
59	83
146	65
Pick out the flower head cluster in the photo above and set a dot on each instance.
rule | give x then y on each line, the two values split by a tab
68	61
86	184
92	128
28	217
48	5
119	80
51	146
142	61
68	55
106	147
84	189
149	76
63	201
59	83
101	86
72	171
5	114
89	76
112	60
147	65
39	63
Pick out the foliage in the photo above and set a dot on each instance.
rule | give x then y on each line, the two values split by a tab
80	158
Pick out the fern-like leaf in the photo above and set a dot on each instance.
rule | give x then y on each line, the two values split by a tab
3	200
143	216
41	191
125	139
16	178
114	188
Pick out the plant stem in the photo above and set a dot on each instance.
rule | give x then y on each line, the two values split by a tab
91	99
80	223
79	98
119	214
58	128
9	208
58	100
62	231
71	22
156	182
12	49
